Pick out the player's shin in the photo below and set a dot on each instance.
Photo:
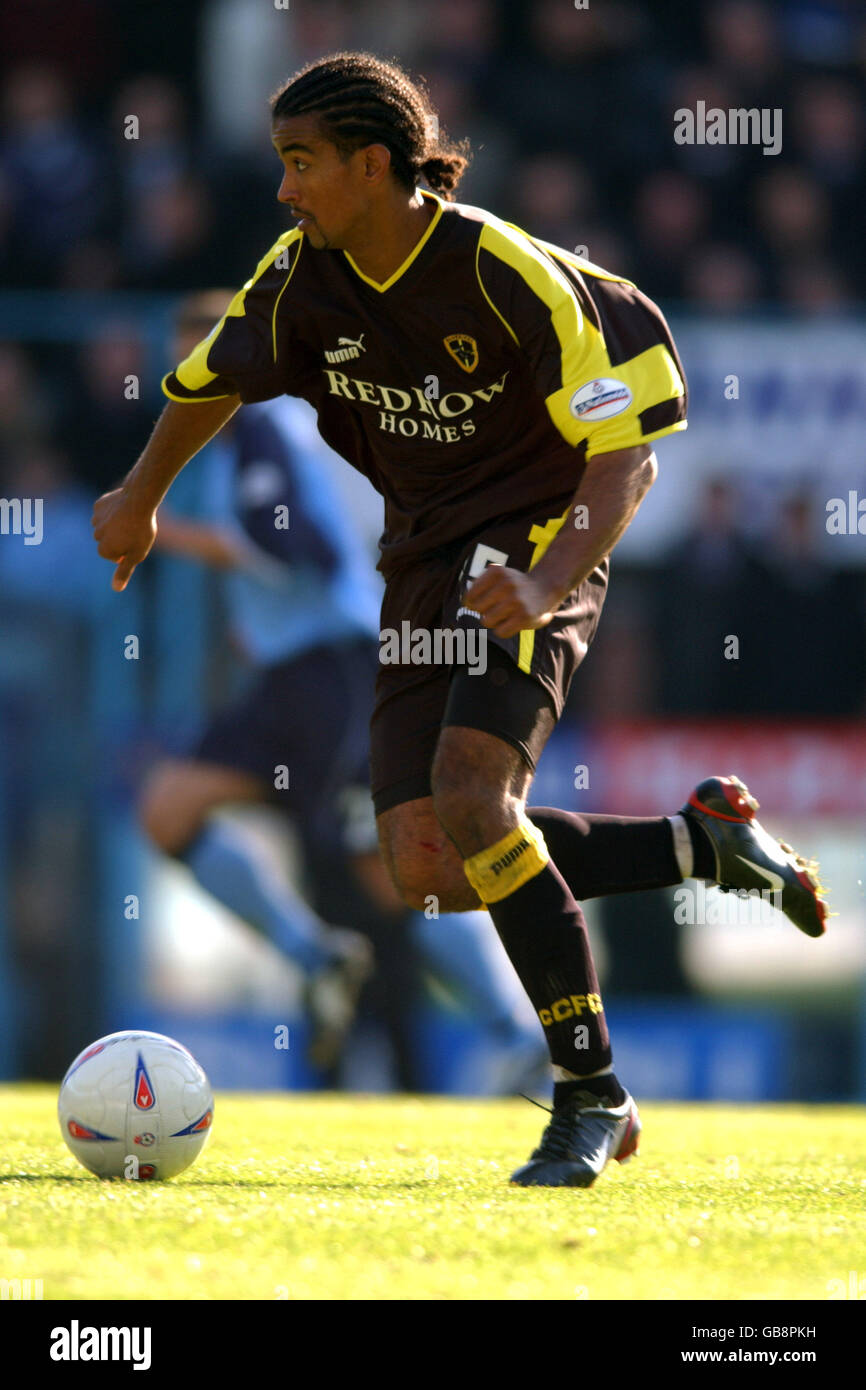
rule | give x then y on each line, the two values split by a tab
602	855
545	936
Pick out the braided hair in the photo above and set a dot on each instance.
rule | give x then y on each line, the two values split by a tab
361	100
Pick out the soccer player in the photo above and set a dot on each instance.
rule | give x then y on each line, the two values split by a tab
502	394
303	602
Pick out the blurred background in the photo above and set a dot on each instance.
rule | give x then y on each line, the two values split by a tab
105	221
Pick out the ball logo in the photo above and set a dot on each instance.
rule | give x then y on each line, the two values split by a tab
600	399
145	1139
144	1097
146	1171
197	1126
91	1052
79	1131
85	1056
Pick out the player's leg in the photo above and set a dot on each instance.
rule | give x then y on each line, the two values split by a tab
284	742
474	796
714	837
602	855
181	793
495	725
547	939
595	854
425	867
428	871
463	954
479	789
349	883
479	782
176	809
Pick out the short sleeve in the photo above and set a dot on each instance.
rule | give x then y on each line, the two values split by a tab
239	355
604	364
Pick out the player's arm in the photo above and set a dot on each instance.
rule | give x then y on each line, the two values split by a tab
236	362
124	521
610	410
200	540
610	492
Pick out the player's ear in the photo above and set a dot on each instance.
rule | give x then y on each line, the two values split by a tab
376	163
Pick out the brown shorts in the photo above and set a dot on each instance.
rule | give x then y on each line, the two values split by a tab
438	666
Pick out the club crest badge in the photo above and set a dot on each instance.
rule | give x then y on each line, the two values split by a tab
463	349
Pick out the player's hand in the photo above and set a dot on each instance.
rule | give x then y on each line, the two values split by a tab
124	531
509	600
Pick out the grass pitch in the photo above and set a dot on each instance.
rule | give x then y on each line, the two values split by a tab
345	1197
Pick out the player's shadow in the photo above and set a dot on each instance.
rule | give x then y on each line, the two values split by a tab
299	1185
43	1177
302	1187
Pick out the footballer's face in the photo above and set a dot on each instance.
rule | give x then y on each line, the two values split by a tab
329	196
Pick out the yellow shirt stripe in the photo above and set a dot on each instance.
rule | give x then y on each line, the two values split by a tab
193	372
651	376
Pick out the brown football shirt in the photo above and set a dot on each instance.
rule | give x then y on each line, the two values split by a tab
470	387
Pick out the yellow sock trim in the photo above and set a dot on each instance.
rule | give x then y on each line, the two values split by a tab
499	871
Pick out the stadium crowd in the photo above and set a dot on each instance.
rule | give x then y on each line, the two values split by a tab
570	111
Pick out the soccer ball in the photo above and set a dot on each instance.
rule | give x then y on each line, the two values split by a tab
135	1105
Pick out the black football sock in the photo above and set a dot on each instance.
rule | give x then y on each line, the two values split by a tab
606	1088
544	934
602	855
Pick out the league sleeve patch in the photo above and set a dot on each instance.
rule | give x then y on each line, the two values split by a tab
600	399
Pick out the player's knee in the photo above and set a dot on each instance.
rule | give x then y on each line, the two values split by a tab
433	887
164	814
425	867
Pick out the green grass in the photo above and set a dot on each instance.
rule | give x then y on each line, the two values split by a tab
343	1197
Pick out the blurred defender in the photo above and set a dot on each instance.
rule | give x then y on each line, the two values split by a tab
302	608
502	394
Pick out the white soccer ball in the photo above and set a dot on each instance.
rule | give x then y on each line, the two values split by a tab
135	1105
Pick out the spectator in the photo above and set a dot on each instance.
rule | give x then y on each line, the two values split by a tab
721	278
556	199
153	152
706	592
812	659
24	411
744	41
792	212
55	170
106	423
814	285
671	213
173	244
